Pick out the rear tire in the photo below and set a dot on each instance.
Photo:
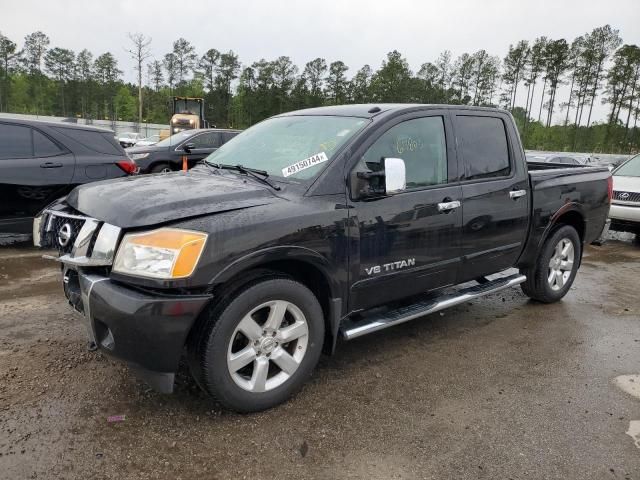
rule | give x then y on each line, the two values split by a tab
555	269
258	347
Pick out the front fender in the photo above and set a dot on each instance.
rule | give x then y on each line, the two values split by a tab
280	254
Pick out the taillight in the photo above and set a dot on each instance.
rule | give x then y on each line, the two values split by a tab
610	188
128	166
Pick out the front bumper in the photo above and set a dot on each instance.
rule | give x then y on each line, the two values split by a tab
625	218
146	330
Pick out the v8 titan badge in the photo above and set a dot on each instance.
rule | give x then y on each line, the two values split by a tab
312	161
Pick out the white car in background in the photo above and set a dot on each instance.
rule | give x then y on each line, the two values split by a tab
150	140
129	139
625	204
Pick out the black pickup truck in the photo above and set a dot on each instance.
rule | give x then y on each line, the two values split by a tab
314	225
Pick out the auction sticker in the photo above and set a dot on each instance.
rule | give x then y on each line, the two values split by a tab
312	161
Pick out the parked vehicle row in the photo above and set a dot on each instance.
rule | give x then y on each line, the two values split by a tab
625	206
314	225
563	159
150	140
129	139
167	155
42	161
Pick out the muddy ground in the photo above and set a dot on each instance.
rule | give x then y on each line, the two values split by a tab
501	388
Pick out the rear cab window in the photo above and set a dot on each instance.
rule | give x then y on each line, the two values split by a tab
482	141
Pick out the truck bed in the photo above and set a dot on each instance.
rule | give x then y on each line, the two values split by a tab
557	188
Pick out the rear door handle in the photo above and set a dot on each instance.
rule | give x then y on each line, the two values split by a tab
446	207
515	194
50	165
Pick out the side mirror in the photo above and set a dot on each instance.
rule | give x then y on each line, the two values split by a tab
389	179
395	174
188	147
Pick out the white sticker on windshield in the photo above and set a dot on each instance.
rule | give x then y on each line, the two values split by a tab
312	161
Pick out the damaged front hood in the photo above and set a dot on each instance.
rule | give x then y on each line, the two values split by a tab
154	199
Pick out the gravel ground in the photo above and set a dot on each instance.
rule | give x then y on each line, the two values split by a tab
500	388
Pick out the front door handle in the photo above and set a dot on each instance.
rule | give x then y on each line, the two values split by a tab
515	194
50	165
446	207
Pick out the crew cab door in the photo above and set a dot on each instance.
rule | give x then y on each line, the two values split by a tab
407	244
495	193
34	171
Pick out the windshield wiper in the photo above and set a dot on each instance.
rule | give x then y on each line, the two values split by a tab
260	175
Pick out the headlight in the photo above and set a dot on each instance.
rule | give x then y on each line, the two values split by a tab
138	156
164	253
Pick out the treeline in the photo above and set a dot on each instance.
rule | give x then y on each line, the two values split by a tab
596	67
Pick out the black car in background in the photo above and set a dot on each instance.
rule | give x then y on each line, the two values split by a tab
166	156
42	161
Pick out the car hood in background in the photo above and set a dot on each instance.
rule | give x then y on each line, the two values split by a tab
154	199
626	184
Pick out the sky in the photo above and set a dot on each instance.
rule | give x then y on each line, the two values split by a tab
355	31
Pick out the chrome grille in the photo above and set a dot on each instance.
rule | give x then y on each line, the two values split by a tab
62	232
80	240
626	196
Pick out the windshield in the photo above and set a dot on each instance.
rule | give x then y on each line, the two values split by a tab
294	146
175	139
629	169
189	107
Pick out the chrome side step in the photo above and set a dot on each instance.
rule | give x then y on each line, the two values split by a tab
353	329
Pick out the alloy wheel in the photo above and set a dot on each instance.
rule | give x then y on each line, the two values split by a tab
267	346
561	264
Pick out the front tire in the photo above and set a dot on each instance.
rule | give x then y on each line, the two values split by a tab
556	267
257	348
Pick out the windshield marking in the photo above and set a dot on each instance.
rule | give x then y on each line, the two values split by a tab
312	161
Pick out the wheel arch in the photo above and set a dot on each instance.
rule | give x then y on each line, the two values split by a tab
571	214
303	265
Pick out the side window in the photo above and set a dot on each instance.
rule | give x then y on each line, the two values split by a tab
43	146
98	141
206	140
15	141
226	136
421	143
483	141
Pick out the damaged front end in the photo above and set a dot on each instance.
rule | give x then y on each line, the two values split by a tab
146	329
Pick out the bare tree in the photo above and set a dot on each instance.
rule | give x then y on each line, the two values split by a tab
139	53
